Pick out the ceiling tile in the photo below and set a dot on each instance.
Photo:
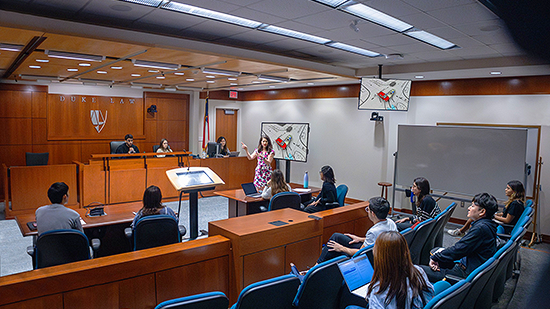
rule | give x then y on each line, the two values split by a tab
459	15
392	8
116	9
327	20
427	5
423	21
289	9
170	19
258	16
253	37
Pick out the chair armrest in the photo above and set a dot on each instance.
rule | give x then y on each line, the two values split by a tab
332	205
96	243
30	250
452	279
128	232
182	230
504	237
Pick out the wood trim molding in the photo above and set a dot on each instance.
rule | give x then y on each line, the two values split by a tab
17	87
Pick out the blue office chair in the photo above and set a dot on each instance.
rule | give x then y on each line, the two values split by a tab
450	298
479	278
34	159
321	286
275	293
211	300
284	200
58	247
156	230
341	192
528	212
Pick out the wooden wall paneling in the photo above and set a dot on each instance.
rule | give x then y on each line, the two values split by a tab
173	108
138	292
16	131
47	302
172	130
15	104
220	166
226	126
263	265
29	185
126	185
60	153
39	104
4	184
346	227
302	253
150	130
14	155
92	183
362	225
156	175
39	131
179	146
87	148
207	276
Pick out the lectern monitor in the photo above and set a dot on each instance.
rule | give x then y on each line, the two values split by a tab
188	178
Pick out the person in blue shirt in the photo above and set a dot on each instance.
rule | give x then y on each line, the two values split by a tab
152	205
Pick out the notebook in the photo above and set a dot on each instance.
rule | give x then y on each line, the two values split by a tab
250	190
234	153
357	273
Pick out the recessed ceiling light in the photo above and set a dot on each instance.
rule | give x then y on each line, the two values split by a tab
311	83
161	77
233	84
240	88
136	75
153	71
190	79
205	13
210	81
496	72
84	64
73	56
210	76
179	73
34	66
271	86
42	60
256	81
294	34
431	39
419	76
72	70
231	78
101	72
116	68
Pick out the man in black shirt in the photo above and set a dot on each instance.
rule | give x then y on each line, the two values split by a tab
128	146
472	250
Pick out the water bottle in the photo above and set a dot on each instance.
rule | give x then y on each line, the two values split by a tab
306	180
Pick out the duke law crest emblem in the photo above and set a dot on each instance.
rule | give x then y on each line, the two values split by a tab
98	120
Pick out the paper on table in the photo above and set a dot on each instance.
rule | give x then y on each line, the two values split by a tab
82	221
301	190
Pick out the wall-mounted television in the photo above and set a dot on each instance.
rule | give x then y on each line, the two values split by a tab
289	139
384	94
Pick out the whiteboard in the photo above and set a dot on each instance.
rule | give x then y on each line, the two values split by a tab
462	160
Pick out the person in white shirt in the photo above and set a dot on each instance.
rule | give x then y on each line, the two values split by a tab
275	185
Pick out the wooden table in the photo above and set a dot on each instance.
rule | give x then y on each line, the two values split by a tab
241	205
262	250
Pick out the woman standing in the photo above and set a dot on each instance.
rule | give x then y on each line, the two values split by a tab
163	147
426	206
224	151
264	153
152	205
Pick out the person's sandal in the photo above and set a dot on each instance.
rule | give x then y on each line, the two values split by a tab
455	233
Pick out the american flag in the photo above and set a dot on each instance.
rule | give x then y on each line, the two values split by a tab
205	128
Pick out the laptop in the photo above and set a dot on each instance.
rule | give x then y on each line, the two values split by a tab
250	190
234	153
357	273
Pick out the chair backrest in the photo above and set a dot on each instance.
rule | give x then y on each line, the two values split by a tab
33	159
284	200
495	285
211	300
321	286
341	192
368	251
58	247
451	298
527	213
437	231
156	230
421	233
408	233
275	293
155	148
114	145
479	278
448	214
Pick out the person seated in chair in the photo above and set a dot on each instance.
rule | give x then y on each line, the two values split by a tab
128	146
472	250
348	244
328	194
152	205
275	185
56	216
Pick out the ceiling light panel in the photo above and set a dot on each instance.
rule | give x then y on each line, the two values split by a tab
294	34
200	12
11	47
153	3
375	16
155	65
220	72
431	39
273	78
353	49
73	56
332	3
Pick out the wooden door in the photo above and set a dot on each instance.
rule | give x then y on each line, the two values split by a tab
226	126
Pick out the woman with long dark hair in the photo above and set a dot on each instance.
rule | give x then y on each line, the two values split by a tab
426	206
223	148
152	205
264	153
328	194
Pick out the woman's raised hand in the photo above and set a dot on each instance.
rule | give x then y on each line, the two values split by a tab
243	145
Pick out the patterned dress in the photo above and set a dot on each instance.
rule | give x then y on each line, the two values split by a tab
263	169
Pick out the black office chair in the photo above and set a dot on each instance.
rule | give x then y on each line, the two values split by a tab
155	148
33	159
275	293
211	300
421	232
156	230
114	145
283	200
437	231
58	247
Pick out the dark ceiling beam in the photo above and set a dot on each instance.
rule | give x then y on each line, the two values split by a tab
24	54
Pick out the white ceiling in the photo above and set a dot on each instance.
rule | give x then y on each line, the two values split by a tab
484	43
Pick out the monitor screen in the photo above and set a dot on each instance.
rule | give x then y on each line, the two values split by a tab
289	139
384	94
189	179
213	149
